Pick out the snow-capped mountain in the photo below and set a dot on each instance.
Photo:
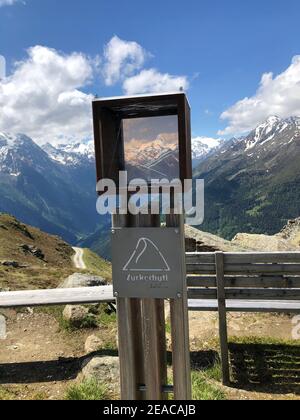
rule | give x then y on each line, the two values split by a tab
202	146
274	130
71	154
147	154
39	190
253	182
18	151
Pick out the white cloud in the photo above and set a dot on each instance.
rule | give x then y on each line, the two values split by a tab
9	2
279	95
122	59
152	81
42	97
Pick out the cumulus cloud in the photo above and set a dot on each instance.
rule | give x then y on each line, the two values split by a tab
152	81
122	59
45	95
42	97
9	2
276	95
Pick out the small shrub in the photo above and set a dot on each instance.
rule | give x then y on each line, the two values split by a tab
107	319
88	322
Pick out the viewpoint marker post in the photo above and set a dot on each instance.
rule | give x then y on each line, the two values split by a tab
149	139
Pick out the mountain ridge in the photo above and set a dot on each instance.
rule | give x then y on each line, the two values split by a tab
252	182
38	190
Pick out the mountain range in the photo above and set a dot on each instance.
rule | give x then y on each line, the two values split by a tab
252	182
204	147
54	193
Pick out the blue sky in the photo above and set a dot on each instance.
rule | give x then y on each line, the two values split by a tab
221	48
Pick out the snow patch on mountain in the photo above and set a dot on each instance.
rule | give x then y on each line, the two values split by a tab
271	128
15	150
74	153
202	146
71	154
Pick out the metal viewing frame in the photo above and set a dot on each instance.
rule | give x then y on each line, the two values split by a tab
108	114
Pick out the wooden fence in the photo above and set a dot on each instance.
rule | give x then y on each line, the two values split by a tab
223	282
256	282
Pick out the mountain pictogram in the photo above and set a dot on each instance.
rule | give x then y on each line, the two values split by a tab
146	257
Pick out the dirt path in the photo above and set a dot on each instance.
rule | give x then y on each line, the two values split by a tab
37	361
78	258
204	326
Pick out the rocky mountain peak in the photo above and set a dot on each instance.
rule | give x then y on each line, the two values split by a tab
15	150
10	141
72	154
204	146
273	130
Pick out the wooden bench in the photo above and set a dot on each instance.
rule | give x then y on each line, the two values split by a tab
223	282
242	282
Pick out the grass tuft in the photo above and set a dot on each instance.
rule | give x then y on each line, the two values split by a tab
204	390
97	265
6	395
89	390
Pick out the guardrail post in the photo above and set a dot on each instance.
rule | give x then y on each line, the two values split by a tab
222	317
180	329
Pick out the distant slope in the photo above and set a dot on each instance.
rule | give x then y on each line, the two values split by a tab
32	259
99	242
97	265
252	184
288	239
16	237
207	242
56	196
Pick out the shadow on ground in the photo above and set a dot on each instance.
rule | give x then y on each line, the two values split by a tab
201	360
266	368
49	371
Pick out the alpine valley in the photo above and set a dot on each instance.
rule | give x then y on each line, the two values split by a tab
252	183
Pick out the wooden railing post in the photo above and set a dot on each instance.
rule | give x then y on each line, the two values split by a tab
180	328
222	317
